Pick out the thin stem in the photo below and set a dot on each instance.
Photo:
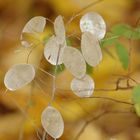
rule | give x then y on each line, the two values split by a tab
105	98
21	136
45	72
94	119
44	135
54	78
100	89
74	35
86	124
111	99
5	92
88	6
110	38
63	107
131	47
40	88
49	20
134	80
83	9
38	136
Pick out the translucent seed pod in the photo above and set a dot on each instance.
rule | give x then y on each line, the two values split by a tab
18	76
59	30
53	51
83	87
94	23
91	49
52	122
33	26
74	62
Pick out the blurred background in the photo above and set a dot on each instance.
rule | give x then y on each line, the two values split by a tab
20	111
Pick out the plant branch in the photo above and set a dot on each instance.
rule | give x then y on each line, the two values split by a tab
94	119
83	9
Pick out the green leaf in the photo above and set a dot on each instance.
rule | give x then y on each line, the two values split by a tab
126	31
108	41
137	109
60	68
122	30
123	55
69	42
136	99
136	95
89	69
136	34
46	38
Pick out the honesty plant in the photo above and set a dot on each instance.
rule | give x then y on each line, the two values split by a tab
56	52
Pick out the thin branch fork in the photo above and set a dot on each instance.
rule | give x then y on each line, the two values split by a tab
94	119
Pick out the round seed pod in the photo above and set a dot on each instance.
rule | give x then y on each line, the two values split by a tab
18	76
53	51
74	62
52	122
83	87
94	23
59	30
91	49
32	28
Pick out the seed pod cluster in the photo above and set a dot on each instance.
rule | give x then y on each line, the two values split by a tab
56	52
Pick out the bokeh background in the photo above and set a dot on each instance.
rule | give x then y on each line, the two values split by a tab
20	111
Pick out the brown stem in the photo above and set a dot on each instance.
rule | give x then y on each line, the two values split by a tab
94	119
83	9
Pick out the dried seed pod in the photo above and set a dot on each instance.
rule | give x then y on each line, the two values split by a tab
91	49
33	26
52	122
74	61
94	23
59	29
83	87
18	76
53	51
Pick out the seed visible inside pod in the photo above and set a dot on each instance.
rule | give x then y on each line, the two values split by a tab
18	76
32	28
59	29
91	49
74	62
53	51
52	122
94	23
83	87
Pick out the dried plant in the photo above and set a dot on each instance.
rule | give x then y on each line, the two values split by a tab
57	51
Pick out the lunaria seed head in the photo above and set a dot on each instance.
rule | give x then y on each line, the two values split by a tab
52	122
74	61
32	28
83	87
18	76
94	23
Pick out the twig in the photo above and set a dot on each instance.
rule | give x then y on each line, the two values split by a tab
86	124
111	99
49	20
83	9
130	47
54	77
44	136
94	119
47	73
